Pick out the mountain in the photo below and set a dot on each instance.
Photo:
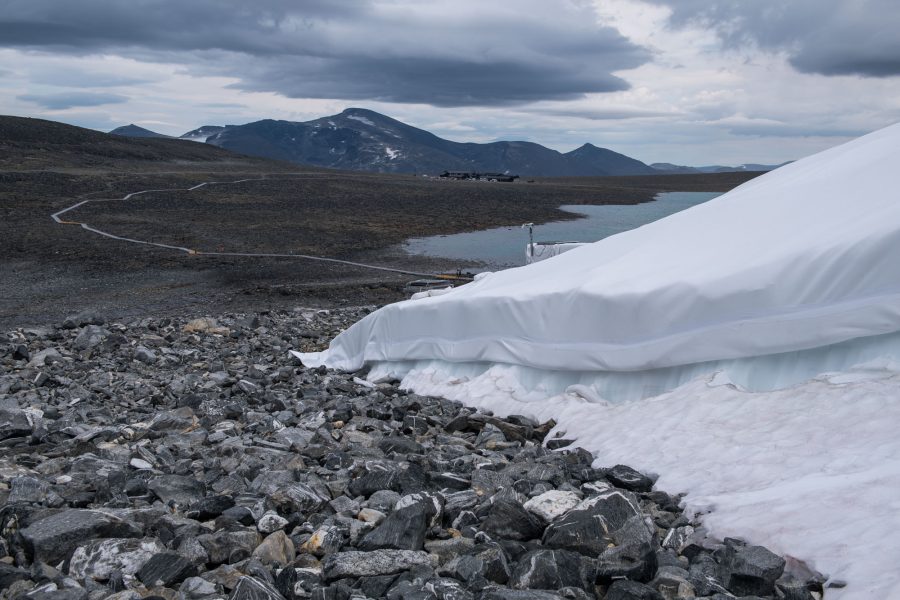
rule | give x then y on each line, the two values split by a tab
137	132
201	134
670	168
748	167
364	140
606	162
38	144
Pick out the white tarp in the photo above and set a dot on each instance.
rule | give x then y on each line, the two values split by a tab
539	251
726	305
801	257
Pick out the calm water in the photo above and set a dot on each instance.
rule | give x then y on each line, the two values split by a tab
505	246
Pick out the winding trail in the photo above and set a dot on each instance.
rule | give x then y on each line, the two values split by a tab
57	216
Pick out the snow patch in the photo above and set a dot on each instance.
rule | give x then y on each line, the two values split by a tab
391	153
361	120
810	471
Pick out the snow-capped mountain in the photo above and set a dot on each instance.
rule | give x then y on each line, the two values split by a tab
359	139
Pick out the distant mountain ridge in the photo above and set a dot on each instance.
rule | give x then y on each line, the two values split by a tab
358	139
364	140
137	132
747	167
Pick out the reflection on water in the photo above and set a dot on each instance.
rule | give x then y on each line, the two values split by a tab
505	246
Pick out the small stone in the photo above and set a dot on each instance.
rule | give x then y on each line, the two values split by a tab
370	515
165	570
378	562
180	489
588	527
276	549
140	464
625	477
250	588
446	550
51	539
14	422
270	522
100	558
482	564
145	355
324	540
89	337
209	507
85	317
383	500
552	504
196	587
508	520
751	570
403	529
551	570
622	589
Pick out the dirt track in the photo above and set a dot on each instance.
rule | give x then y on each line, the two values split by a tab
50	270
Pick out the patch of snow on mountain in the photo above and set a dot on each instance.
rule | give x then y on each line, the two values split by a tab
392	154
198	138
361	120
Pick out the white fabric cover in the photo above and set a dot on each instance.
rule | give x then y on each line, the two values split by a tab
539	251
805	256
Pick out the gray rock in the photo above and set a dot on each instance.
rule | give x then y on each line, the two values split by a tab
622	589
89	337
85	317
625	477
589	527
270	522
52	592
377	562
180	489
53	538
634	561
100	558
509	520
403	529
552	504
482	564
508	594
14	422
196	587
145	355
276	549
383	500
552	570
324	540
400	445
165	569
250	588
229	546
751	570
449	549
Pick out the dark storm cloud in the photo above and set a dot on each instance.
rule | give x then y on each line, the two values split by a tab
441	53
829	37
64	101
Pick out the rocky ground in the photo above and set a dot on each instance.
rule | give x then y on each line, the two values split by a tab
191	459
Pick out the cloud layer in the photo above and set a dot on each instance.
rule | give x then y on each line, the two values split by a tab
828	37
441	53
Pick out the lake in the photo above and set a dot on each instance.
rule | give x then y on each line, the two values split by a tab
505	246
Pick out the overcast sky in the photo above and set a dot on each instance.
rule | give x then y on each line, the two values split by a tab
683	81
